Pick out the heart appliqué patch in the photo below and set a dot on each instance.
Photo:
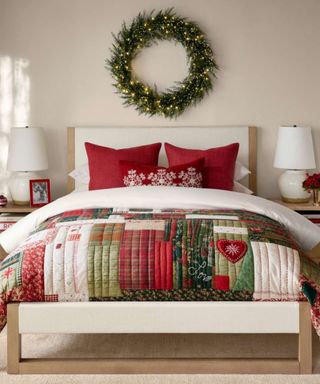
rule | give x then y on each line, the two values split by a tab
233	250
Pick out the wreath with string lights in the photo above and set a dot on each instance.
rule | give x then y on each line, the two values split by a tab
144	31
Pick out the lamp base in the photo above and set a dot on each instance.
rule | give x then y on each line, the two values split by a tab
290	185
20	188
21	203
295	201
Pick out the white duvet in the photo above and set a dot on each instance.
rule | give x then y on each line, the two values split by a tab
305	233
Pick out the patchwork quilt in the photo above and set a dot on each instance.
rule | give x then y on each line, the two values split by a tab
172	255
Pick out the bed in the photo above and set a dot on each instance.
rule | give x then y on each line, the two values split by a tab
267	314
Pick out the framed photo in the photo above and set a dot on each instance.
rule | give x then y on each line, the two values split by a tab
39	192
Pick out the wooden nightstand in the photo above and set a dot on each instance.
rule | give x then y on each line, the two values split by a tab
12	208
300	208
12	213
308	210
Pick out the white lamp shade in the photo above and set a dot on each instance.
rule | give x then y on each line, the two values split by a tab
294	148
27	150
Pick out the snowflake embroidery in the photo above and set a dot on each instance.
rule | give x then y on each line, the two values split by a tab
188	178
162	177
133	179
191	178
232	249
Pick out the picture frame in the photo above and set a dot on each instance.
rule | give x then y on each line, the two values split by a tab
40	193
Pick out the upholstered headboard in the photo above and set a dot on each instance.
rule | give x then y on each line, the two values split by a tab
202	137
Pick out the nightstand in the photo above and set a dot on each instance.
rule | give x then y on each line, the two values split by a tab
308	210
12	213
12	208
302	207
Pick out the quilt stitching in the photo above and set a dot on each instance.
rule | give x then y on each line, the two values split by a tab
172	254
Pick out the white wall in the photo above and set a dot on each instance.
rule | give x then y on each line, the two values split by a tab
268	53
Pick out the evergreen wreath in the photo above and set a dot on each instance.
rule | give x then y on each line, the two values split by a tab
144	31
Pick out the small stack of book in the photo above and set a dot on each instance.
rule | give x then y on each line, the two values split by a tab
8	219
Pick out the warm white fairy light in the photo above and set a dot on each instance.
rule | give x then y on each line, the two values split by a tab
136	37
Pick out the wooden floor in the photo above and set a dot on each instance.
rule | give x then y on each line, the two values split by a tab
302	364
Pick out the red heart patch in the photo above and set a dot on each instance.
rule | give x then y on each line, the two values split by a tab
233	250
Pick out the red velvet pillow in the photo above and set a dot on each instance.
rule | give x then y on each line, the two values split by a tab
104	166
219	163
184	175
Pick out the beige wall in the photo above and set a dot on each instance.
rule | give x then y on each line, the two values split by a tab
52	72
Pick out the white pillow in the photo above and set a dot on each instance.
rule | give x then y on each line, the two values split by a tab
81	188
237	187
81	174
240	171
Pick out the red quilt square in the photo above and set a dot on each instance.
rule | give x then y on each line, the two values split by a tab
221	282
76	212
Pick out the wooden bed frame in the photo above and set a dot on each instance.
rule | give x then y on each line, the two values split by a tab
152	317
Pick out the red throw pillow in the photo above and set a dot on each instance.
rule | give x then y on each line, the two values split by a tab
104	166
184	175
219	163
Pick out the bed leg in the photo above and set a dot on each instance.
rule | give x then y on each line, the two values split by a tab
13	339
305	339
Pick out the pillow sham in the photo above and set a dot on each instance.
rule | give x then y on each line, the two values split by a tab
237	187
81	173
219	163
183	175
104	166
240	171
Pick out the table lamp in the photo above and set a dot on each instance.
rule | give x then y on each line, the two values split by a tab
294	152
27	154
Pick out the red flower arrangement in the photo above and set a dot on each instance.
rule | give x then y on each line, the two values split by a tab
312	182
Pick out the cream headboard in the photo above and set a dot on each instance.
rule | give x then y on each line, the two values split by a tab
201	137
